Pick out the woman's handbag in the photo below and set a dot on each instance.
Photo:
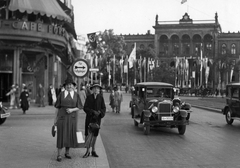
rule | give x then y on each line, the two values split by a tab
54	129
94	126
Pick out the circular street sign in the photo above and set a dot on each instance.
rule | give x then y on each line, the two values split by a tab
80	68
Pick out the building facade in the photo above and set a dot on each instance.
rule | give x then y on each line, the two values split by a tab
197	48
36	44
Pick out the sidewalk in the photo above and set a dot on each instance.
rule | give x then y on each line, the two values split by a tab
33	146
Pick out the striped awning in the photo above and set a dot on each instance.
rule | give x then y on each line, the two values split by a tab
43	7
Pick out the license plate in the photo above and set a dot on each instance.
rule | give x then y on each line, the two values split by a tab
167	118
5	115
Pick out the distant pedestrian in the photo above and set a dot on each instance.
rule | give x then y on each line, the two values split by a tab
17	95
112	100
118	97
24	100
51	95
11	93
41	95
82	94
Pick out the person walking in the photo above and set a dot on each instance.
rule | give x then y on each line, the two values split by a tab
67	104
24	100
112	100
95	110
41	95
11	93
118	97
17	94
51	95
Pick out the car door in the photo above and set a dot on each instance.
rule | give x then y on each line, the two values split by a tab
235	103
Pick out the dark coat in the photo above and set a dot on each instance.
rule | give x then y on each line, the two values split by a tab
90	105
24	100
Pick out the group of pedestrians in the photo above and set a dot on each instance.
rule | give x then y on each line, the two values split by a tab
115	99
19	99
67	105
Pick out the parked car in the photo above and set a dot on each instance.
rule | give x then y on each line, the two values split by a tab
3	113
153	105
232	108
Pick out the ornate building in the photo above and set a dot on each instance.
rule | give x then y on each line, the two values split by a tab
197	48
36	43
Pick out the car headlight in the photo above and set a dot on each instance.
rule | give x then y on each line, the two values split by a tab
176	109
154	109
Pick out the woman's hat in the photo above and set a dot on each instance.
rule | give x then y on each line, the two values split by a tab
69	80
95	85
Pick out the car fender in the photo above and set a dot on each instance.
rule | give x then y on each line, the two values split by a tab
183	113
224	110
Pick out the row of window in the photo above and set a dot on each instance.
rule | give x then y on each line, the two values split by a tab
224	49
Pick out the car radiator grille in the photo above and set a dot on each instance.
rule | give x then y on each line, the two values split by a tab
164	108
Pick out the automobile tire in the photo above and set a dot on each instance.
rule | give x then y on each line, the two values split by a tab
2	120
181	129
228	118
188	116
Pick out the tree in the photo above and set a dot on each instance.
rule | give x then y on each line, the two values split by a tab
108	45
164	73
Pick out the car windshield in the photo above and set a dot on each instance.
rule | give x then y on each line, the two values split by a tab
159	92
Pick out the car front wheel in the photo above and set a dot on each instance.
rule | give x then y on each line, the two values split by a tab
228	117
2	120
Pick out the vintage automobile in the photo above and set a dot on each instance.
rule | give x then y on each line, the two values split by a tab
153	105
3	113
232	108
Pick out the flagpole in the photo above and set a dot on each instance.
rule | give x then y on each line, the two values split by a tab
135	72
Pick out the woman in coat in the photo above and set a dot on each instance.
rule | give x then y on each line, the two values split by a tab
95	110
67	104
24	100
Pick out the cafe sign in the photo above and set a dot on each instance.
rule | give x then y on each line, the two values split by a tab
33	26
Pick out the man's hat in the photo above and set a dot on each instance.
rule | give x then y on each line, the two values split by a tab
69	80
95	84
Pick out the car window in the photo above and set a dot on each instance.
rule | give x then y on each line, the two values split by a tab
159	92
235	92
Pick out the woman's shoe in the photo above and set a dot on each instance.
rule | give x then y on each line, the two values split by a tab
86	154
68	156
94	154
59	158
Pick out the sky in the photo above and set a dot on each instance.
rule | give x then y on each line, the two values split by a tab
138	16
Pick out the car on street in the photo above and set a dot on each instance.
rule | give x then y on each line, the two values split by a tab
231	109
153	105
3	113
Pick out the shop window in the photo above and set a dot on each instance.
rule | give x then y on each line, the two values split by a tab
6	60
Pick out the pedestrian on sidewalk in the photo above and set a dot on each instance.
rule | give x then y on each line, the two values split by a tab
17	94
67	104
118	97
112	100
95	110
41	95
11	93
24	100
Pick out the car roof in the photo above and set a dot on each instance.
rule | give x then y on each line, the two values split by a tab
234	84
154	84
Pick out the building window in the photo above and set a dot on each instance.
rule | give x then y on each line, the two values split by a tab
233	49
142	47
176	49
208	49
224	48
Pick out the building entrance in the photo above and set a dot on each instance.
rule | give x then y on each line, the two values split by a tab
6	81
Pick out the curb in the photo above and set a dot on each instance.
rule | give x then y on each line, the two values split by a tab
208	108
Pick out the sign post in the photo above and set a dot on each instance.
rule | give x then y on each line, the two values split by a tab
80	68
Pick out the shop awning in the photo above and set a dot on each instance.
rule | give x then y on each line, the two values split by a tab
43	7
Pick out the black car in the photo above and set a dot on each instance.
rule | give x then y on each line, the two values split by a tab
232	107
153	105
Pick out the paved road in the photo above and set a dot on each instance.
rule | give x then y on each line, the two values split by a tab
208	142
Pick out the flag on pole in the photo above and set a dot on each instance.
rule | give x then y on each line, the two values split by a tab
92	40
183	1
132	57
